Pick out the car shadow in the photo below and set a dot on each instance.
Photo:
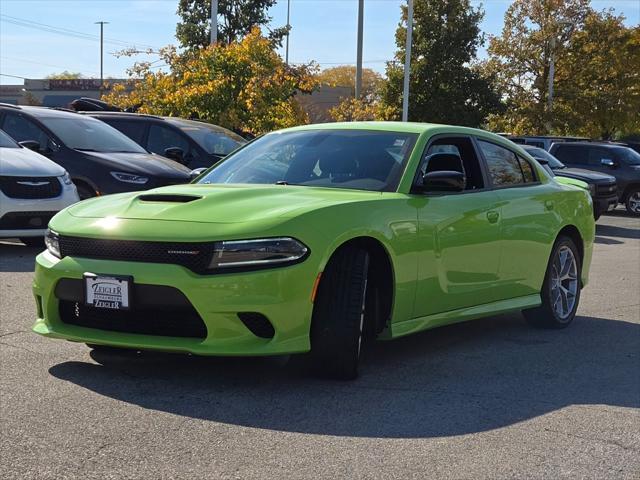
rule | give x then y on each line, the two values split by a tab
455	380
16	257
617	231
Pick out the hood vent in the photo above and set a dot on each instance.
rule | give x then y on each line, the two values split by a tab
169	198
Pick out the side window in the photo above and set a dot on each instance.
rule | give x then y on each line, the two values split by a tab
463	147
161	138
535	143
572	154
504	167
527	170
132	129
20	129
596	155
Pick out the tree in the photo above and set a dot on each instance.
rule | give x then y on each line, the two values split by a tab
64	75
239	17
519	59
345	76
244	86
598	82
444	85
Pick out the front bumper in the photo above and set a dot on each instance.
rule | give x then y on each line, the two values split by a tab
282	295
603	204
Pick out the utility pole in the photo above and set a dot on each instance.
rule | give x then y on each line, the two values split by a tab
102	24
214	21
359	48
286	55
407	63
552	71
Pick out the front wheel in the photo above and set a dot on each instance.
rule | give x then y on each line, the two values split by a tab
561	288
633	201
338	316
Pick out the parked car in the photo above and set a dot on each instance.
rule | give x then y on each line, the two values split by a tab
602	187
617	160
32	190
311	238
193	143
99	158
542	141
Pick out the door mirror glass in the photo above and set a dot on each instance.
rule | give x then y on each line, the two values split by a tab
607	162
175	153
443	181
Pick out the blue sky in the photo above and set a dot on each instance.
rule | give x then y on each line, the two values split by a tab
323	30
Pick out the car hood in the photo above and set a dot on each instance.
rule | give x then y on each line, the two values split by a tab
217	203
141	163
588	176
22	162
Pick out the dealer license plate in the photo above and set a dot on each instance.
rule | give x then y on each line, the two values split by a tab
107	291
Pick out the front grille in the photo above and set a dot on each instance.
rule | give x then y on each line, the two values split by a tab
30	187
194	256
155	310
25	220
606	189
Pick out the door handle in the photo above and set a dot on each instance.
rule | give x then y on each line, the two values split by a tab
492	216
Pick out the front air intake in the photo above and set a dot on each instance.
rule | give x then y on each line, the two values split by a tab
257	324
167	197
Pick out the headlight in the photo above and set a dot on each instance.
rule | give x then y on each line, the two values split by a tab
52	241
592	189
257	253
66	179
129	178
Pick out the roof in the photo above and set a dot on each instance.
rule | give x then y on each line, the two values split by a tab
121	114
43	111
595	143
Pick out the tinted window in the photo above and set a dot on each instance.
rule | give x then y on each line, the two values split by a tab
6	141
628	155
535	143
464	149
132	129
20	129
161	138
597	154
527	170
539	153
89	134
356	159
211	138
503	164
572	154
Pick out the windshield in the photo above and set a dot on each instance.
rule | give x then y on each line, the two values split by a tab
628	155
6	141
355	159
215	140
89	134
536	152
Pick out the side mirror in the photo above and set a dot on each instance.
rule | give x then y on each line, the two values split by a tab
195	173
443	181
31	145
607	162
175	153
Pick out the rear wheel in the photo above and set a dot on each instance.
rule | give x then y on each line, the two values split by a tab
633	201
561	288
338	315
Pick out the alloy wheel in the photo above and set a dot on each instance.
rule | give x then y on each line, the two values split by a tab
564	283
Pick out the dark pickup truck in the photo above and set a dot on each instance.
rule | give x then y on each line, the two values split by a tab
603	187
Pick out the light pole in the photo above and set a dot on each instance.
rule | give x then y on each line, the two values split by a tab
214	21
359	49
102	24
286	55
407	63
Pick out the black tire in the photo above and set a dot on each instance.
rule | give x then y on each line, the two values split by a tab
546	316
105	348
84	191
35	242
630	201
338	315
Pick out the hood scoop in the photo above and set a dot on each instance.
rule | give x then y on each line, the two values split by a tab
168	198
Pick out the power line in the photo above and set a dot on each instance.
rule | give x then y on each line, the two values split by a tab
45	64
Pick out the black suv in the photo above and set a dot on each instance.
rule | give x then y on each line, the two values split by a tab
191	142
617	160
602	187
99	159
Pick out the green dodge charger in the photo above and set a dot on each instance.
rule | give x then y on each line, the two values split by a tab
314	238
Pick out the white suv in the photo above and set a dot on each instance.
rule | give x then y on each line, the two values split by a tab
32	190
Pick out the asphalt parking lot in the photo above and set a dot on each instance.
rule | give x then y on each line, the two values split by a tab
487	399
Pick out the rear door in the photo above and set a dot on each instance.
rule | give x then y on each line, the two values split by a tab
459	235
526	222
